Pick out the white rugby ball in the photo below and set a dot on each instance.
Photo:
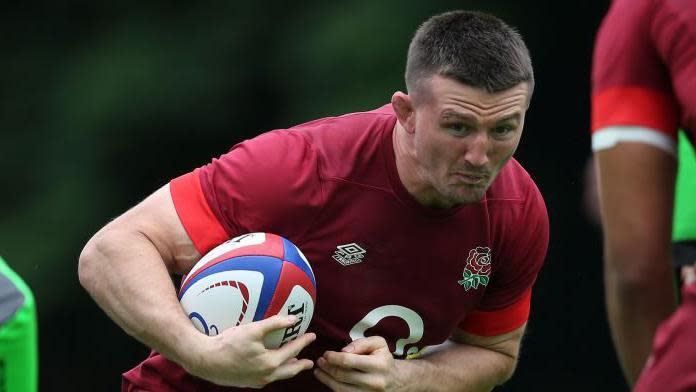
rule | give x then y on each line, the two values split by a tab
250	278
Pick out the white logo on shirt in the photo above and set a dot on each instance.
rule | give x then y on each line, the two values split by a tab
412	319
349	254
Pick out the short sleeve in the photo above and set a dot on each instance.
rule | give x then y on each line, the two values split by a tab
523	244
673	32
632	97
270	183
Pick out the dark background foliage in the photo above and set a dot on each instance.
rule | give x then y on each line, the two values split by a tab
101	103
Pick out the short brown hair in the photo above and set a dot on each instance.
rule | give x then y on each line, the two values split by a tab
473	48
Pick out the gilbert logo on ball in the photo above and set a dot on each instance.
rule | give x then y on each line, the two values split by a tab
250	278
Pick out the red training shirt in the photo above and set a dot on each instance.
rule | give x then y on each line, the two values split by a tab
384	264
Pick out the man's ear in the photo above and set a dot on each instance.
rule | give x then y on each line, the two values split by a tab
405	113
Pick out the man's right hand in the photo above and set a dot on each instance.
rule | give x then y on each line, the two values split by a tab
237	356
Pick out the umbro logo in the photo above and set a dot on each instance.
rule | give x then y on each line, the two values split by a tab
349	254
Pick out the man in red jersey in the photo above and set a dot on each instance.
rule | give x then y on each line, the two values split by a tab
420	228
644	88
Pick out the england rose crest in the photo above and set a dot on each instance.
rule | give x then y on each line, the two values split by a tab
478	268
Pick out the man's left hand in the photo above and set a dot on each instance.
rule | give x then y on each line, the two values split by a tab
366	364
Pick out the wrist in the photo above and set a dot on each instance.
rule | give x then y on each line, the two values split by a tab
410	374
189	347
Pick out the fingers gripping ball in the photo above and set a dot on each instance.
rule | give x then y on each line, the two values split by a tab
250	278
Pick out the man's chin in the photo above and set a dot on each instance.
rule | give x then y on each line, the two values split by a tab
469	197
472	199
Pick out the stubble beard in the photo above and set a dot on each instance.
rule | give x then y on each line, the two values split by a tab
451	194
463	194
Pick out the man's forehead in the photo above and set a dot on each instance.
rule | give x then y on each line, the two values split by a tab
444	90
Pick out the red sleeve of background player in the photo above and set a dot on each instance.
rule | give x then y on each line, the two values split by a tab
632	95
270	183
506	303
674	33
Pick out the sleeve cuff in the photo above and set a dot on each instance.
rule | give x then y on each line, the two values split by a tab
635	106
500	321
199	221
609	137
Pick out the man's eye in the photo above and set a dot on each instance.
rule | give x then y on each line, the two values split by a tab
457	127
503	130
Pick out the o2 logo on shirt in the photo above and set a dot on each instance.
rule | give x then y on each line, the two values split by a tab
412	319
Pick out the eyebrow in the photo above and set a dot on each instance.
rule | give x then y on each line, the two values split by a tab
468	117
516	116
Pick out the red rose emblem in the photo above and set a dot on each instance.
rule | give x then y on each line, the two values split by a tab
479	260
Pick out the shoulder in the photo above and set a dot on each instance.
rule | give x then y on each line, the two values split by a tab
674	18
623	15
513	185
329	143
513	198
673	33
519	237
348	146
279	176
337	133
622	44
519	222
632	96
323	132
638	40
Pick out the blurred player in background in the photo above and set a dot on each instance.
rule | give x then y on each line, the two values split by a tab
18	335
644	88
419	225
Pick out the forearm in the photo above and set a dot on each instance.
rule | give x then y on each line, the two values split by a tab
126	276
636	183
456	367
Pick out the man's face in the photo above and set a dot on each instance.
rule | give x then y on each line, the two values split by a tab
463	136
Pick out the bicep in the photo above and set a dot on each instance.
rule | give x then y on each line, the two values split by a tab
155	220
636	187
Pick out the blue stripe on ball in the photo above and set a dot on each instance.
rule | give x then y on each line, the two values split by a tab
269	266
292	255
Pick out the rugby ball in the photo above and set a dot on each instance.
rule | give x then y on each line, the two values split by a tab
250	278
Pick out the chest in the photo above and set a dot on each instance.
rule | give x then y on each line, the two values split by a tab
383	269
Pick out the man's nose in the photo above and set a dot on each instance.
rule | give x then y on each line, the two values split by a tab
477	149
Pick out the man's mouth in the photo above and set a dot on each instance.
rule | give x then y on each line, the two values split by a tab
471	179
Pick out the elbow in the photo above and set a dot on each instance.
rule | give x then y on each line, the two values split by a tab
635	258
507	370
636	270
88	264
504	369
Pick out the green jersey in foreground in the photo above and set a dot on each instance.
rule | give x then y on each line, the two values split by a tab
18	335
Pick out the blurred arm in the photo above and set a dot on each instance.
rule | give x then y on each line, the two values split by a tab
636	185
126	268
